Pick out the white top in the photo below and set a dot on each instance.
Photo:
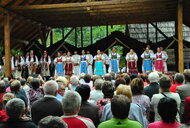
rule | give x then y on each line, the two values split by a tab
69	59
31	60
106	58
163	56
110	55
44	60
76	59
13	64
90	58
144	54
82	56
61	57
102	57
131	57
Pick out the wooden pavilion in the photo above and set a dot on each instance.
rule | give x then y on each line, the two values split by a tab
22	21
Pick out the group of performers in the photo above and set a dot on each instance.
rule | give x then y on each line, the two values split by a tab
77	64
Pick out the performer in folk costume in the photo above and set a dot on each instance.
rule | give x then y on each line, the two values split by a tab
147	57
99	64
16	65
166	58
131	59
90	62
45	62
32	62
106	61
83	63
76	61
159	61
68	64
114	61
59	65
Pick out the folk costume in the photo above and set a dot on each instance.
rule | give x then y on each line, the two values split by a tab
59	66
76	61
114	62
16	66
159	61
83	64
99	65
131	62
147	61
32	62
45	62
68	65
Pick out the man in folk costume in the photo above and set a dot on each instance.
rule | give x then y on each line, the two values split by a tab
83	63
16	65
68	64
166	58
90	62
106	61
114	61
99	64
147	57
32	62
59	62
159	60
131	59
76	61
45	62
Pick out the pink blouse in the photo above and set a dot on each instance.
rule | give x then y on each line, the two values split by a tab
161	124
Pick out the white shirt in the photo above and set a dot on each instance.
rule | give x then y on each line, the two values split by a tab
76	59
31	59
131	57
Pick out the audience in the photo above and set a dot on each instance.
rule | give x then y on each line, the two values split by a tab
120	118
127	78
74	82
2	92
87	109
167	109
52	122
61	91
87	80
48	105
71	107
178	79
15	109
119	81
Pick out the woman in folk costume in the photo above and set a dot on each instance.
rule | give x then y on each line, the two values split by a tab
68	64
147	57
16	65
159	60
76	61
83	63
32	62
131	59
90	62
166	57
59	65
99	64
114	61
45	62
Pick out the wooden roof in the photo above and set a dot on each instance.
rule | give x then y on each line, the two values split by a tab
29	17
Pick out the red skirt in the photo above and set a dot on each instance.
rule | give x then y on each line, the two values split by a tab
132	68
68	69
159	65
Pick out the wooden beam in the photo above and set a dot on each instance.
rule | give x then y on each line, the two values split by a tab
51	37
147	32
180	37
107	30
82	45
7	45
91	35
75	36
159	30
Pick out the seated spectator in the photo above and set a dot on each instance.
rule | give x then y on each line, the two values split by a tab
6	80
81	78
2	92
35	92
71	107
135	112
29	79
165	84
87	109
24	86
64	81
119	81
97	94
127	78
108	91
87	80
74	80
107	77
3	115
167	109
15	109
48	105
61	91
120	106
178	79
137	86
52	122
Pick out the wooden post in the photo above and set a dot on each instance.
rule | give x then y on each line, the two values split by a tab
76	37
180	37
147	34
7	45
81	37
156	33
91	40
107	30
63	34
51	38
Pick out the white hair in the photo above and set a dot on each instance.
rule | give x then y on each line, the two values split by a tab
74	80
15	108
6	80
50	87
153	77
71	101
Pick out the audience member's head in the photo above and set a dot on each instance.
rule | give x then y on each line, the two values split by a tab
95	77
187	76
6	80
112	75
74	80
50	88
15	86
35	83
61	88
127	79
137	86
179	78
133	76
124	90
153	77
71	103
167	109
98	84
22	81
84	91
108	89
81	76
107	77
15	108
120	106
63	80
29	79
52	122
6	97
165	83
119	81
2	86
87	78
